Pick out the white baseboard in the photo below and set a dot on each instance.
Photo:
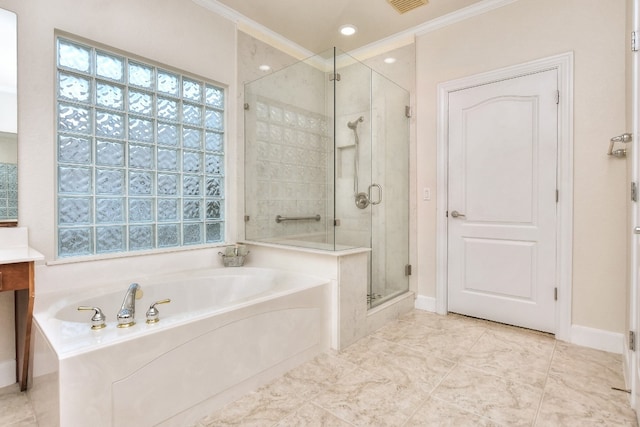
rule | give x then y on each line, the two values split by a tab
425	303
612	342
7	372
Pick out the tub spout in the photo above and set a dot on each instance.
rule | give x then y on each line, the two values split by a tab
127	313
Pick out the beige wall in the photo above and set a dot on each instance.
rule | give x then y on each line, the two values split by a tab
176	33
520	32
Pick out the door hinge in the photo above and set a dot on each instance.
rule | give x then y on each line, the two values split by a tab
247	218
634	41
555	294
557	97
335	77
336	222
407	270
634	192
407	112
632	341
557	195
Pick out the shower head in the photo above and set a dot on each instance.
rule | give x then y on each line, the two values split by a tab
354	124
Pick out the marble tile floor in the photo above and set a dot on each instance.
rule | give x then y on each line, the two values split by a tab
428	370
431	370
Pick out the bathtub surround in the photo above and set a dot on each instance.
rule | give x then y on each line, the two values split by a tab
231	330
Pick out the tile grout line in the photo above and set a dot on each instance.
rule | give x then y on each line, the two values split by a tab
544	386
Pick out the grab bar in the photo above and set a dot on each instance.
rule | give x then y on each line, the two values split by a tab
281	218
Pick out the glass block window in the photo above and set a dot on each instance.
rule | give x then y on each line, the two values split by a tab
140	155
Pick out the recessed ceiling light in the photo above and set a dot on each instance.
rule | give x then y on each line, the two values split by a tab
264	67
348	30
389	60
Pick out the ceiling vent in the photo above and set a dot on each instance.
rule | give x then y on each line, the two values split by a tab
403	6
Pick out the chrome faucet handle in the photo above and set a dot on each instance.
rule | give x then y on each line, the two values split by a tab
153	314
98	319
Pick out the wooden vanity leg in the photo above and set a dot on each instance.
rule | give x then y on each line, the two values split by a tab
24	300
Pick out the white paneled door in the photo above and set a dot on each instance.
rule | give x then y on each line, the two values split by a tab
503	141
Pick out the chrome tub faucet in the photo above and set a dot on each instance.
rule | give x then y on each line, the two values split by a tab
127	313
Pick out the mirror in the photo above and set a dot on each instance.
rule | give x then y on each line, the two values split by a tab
8	119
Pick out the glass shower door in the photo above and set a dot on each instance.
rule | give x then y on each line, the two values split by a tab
389	191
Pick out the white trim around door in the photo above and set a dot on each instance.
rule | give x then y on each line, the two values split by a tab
564	65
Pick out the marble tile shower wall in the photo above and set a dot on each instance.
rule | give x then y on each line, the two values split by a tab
8	191
291	155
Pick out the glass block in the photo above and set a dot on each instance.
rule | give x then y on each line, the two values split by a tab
191	138
109	96
74	211
140	75
191	210
74	119
141	237
74	180
167	108
74	56
276	114
215	232
167	159
109	124
262	111
191	89
140	102
74	87
140	156
214	164
290	118
214	96
214	142
215	187
140	130
75	241
167	184
74	149
168	83
109	66
168	235
110	181
262	131
191	162
168	134
275	133
109	210
110	239
168	210
109	153
214	209
140	183
140	210
192	114
192	234
214	119
191	185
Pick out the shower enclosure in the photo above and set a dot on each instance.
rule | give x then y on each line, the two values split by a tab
327	164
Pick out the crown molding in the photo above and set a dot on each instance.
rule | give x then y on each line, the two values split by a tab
394	41
256	29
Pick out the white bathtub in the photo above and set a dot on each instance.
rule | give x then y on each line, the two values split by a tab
225	332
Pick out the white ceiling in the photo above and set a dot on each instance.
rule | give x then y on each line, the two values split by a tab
314	24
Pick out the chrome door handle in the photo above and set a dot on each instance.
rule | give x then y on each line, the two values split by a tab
456	214
636	230
379	194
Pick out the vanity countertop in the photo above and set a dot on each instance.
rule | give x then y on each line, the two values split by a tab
14	246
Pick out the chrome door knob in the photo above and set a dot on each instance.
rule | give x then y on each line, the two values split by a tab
456	214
